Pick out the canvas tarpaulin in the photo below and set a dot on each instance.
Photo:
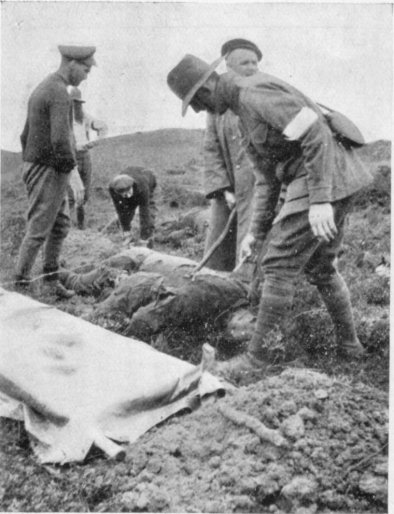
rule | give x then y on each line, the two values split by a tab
74	383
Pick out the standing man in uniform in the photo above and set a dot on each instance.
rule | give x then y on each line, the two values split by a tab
228	170
49	165
135	188
83	124
292	143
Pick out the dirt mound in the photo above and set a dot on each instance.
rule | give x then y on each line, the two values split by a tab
334	457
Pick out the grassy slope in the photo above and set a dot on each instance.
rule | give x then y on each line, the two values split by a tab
175	156
160	149
83	487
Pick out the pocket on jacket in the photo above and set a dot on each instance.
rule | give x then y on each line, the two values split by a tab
258	136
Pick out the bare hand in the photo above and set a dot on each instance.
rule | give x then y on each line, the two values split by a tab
247	246
77	187
100	127
321	219
90	145
230	199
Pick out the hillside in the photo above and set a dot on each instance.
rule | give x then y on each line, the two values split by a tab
157	149
204	462
377	151
10	162
172	147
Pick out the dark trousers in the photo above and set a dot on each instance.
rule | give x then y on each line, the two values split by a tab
48	220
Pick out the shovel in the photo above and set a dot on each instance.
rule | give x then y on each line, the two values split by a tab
215	245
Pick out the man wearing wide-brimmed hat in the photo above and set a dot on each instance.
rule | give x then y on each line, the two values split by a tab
292	142
228	170
48	151
83	125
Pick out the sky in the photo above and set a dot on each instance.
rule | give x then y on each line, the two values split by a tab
338	54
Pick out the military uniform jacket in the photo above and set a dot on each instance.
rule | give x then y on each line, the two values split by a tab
228	166
47	137
291	143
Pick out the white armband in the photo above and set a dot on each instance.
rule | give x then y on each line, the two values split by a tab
300	124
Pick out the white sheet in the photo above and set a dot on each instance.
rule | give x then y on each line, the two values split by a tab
75	384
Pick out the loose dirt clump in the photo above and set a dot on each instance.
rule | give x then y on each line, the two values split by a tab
334	456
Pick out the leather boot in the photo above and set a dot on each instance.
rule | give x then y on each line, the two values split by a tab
81	217
22	285
336	297
52	285
56	288
241	367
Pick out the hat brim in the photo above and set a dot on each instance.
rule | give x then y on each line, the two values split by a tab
90	61
188	98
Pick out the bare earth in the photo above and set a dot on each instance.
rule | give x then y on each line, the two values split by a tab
330	417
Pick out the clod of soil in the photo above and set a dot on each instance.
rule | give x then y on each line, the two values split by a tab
335	456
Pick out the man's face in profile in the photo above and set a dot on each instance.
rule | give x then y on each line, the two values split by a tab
201	100
204	99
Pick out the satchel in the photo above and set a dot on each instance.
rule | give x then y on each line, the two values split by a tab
344	130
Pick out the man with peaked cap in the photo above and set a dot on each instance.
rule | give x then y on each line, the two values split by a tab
49	165
83	124
135	188
228	171
291	143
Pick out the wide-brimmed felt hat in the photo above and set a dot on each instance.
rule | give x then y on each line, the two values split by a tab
234	44
79	53
188	76
76	95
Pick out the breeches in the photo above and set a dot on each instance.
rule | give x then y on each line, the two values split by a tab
293	248
47	217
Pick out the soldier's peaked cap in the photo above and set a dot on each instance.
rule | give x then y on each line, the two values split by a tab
234	44
79	53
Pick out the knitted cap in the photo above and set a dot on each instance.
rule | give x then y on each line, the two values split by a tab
233	44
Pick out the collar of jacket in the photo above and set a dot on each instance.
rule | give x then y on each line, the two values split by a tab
60	75
227	93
